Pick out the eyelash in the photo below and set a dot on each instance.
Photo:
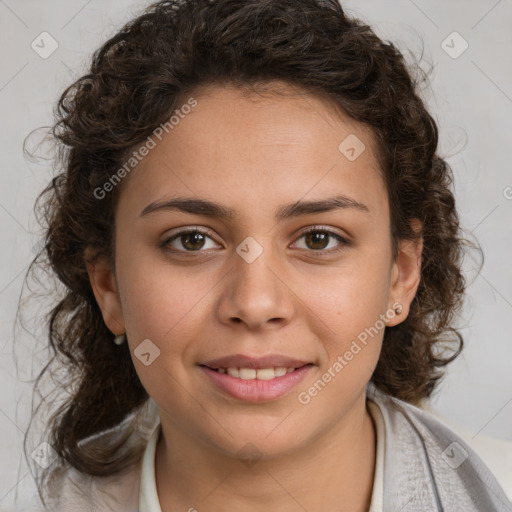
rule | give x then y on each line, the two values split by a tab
315	229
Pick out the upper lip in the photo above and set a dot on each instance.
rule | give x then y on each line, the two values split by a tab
243	361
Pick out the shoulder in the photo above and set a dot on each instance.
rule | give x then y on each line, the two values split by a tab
73	491
428	464
495	453
80	493
69	490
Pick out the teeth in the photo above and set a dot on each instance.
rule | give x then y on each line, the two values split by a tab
266	373
247	373
260	373
233	372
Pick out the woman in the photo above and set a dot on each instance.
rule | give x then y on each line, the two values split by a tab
261	258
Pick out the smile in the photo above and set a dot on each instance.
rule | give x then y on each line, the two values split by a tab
255	384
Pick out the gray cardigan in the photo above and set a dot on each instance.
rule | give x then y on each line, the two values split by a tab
428	468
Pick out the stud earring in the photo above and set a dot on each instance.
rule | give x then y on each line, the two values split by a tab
398	309
119	340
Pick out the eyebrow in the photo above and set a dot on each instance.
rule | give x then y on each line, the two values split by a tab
211	209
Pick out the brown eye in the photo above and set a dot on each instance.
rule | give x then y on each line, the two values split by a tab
192	240
317	240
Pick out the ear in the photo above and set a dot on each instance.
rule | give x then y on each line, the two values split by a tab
104	286
405	275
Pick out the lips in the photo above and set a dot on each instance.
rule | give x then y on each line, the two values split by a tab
256	379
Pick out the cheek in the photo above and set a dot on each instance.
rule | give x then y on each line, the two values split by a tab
353	305
352	302
165	305
158	298
353	295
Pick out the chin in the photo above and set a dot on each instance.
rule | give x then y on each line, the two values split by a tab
269	439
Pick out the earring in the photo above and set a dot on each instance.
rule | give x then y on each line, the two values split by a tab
119	340
398	309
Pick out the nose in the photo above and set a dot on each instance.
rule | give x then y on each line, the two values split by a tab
256	294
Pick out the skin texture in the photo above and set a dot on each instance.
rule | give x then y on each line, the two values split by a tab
254	154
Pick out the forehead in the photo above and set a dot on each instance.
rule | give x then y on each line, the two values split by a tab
272	113
260	144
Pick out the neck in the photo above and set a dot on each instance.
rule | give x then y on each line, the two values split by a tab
336	467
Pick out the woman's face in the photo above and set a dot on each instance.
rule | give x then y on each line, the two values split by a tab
289	275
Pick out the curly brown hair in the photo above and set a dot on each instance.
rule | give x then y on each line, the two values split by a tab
140	76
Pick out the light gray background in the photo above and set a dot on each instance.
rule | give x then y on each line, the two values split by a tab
471	98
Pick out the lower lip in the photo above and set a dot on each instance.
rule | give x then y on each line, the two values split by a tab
255	390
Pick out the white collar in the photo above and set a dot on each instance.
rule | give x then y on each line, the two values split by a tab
376	504
148	496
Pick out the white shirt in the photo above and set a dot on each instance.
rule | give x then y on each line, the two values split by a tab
148	496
